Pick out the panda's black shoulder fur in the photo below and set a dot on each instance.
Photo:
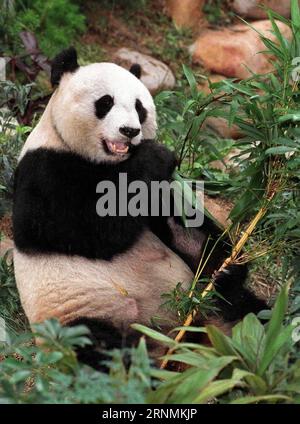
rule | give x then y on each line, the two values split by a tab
55	201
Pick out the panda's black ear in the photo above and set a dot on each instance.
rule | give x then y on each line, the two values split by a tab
65	61
136	70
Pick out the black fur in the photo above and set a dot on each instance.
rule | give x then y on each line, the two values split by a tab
55	201
103	106
65	61
136	70
239	301
104	337
142	112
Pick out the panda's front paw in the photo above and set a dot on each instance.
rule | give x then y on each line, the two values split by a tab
155	160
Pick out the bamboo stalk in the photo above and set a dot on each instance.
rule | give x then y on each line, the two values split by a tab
235	252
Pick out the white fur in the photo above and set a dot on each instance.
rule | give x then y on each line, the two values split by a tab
70	118
125	290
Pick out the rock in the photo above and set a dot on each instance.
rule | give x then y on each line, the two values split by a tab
156	75
252	9
220	126
229	51
219	208
185	13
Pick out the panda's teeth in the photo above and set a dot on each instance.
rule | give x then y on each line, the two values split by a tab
117	147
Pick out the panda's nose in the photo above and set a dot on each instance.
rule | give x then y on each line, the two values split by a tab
129	132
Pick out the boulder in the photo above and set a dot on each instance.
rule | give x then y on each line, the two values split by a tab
253	9
185	13
156	75
221	128
219	208
234	51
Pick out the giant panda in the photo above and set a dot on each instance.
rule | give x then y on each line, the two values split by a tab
104	272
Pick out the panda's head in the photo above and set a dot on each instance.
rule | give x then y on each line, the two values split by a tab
100	111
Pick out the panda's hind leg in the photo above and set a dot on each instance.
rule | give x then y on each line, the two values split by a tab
238	300
104	337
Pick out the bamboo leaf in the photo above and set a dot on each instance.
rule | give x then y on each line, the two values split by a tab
275	337
191	80
220	342
258	399
156	335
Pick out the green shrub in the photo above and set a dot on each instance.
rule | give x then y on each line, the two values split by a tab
254	365
12	135
56	23
53	375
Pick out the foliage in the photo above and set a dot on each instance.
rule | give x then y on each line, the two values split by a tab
253	365
181	115
52	374
12	135
10	307
217	13
55	23
265	109
179	300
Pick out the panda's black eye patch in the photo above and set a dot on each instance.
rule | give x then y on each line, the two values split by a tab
103	106
141	111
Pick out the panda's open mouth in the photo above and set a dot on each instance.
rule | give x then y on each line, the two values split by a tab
117	147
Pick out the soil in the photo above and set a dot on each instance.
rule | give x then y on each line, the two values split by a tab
6	225
149	30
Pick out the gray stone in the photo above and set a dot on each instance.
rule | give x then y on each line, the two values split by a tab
156	75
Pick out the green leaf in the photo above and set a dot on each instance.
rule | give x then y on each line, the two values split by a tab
248	338
280	150
275	337
21	375
189	358
293	117
184	387
191	80
220	342
214	389
295	14
154	334
258	399
282	41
